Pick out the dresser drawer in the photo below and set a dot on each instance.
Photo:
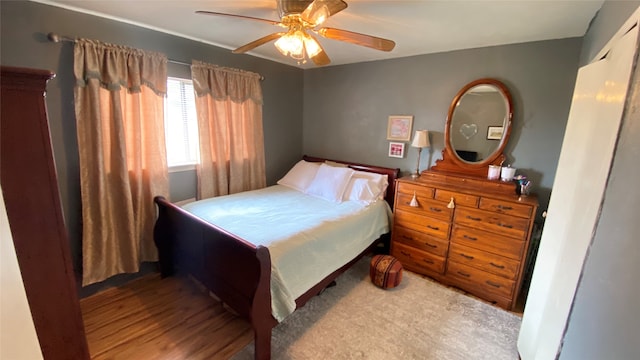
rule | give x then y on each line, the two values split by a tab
471	279
420	241
408	188
431	226
505	207
417	260
428	207
458	198
478	239
483	260
498	223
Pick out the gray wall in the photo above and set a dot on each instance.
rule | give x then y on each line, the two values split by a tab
608	20
24	26
604	322
346	107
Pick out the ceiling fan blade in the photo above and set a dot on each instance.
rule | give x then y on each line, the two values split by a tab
358	39
320	10
237	16
321	59
254	44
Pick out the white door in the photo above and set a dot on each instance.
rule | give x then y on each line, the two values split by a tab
583	169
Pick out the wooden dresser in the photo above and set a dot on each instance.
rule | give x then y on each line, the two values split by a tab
467	232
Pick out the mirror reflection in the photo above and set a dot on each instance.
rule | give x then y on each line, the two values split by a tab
479	122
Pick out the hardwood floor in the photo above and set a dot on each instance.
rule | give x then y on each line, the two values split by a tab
172	318
153	318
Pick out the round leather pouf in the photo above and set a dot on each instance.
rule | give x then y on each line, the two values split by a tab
385	271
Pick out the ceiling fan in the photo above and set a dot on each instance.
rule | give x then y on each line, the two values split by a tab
302	18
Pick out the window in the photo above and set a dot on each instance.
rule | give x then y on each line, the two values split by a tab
181	124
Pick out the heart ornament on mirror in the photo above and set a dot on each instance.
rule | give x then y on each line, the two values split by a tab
468	130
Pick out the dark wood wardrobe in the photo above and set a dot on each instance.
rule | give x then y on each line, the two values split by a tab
30	189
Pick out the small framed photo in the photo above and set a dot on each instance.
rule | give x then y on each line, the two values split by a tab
399	127
494	132
396	149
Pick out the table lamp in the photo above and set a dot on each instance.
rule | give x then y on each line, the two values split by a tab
420	140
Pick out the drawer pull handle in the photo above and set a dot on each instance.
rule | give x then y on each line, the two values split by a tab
435	209
505	207
433	227
405	253
473	218
506	226
464	274
414	201
428	261
470	237
407	237
493	284
496	265
431	245
466	256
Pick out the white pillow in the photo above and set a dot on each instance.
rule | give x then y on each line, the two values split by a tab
380	182
300	176
361	190
330	182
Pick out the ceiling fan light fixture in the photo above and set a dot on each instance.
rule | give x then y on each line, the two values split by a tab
291	44
311	46
302	20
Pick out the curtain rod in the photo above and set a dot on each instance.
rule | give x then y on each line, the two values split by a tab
56	38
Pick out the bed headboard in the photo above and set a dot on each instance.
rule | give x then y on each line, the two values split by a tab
392	173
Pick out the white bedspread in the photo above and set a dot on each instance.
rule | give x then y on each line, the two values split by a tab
308	237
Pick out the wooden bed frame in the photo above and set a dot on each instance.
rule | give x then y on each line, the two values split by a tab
235	270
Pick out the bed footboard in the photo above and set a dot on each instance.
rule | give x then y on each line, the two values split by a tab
233	269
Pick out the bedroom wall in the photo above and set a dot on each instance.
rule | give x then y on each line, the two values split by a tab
346	107
24	26
604	25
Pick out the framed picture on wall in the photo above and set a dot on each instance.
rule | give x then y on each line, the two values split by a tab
396	149
494	132
399	127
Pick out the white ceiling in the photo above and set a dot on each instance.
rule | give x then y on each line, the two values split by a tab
417	27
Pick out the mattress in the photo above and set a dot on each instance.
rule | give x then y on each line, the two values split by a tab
308	237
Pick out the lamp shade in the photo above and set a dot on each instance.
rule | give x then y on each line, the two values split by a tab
421	139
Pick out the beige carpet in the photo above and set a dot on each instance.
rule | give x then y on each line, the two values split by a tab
420	319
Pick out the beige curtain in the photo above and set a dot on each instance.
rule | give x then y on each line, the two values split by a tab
119	113
229	108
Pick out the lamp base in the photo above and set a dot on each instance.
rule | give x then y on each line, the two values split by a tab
416	174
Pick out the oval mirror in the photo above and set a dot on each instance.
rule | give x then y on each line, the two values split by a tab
479	121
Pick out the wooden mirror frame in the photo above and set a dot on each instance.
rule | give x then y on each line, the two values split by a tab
450	162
